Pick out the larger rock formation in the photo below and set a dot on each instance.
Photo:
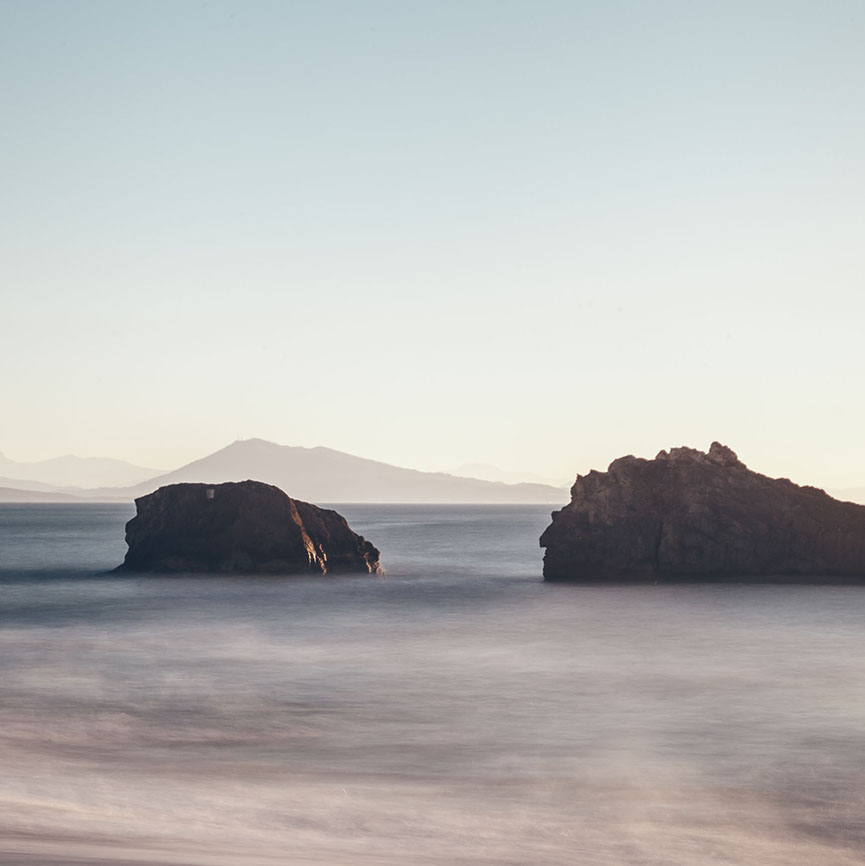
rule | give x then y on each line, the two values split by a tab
688	514
245	527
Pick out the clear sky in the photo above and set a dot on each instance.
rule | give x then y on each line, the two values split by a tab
534	234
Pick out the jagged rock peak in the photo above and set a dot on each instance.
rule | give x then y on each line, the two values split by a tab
718	453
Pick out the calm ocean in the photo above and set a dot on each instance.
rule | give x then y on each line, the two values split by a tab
455	711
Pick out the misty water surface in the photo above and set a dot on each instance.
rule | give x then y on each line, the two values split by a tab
455	711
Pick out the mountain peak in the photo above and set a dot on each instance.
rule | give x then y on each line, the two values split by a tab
246	445
321	474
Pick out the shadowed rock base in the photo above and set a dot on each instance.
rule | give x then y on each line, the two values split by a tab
241	527
688	515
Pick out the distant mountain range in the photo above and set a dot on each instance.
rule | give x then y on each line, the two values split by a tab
24	484
319	475
72	471
12	494
487	472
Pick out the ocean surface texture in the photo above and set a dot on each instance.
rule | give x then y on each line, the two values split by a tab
454	711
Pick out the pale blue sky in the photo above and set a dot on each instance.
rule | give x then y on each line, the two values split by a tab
538	235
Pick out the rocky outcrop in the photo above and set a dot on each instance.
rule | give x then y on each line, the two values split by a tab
243	527
688	514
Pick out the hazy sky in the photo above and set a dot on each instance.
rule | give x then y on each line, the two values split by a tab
534	234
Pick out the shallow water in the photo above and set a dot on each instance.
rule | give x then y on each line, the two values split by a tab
456	711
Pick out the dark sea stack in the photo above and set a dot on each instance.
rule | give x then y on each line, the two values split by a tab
691	515
240	527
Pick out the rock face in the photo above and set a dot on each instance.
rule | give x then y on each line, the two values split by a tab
244	526
687	514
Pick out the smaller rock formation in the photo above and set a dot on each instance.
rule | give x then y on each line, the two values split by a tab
687	514
244	527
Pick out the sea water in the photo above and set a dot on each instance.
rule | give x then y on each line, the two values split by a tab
455	710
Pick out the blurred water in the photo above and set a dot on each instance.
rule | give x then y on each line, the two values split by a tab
456	710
